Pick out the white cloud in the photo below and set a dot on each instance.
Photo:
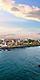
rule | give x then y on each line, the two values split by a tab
20	10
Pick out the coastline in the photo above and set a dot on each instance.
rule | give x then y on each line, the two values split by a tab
9	48
17	43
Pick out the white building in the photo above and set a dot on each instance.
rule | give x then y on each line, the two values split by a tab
3	44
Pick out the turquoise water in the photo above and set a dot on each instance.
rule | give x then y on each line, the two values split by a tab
20	64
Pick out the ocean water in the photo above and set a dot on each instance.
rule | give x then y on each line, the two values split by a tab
20	64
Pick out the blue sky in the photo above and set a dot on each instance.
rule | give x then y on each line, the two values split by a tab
29	2
9	23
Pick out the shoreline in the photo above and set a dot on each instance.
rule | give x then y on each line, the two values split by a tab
9	48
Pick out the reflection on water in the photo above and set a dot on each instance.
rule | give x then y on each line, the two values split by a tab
20	64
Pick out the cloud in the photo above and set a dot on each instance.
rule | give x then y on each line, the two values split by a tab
38	33
19	32
21	10
6	30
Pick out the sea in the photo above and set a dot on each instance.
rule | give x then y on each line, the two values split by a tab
20	64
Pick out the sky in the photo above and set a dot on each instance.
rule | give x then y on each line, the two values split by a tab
21	17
